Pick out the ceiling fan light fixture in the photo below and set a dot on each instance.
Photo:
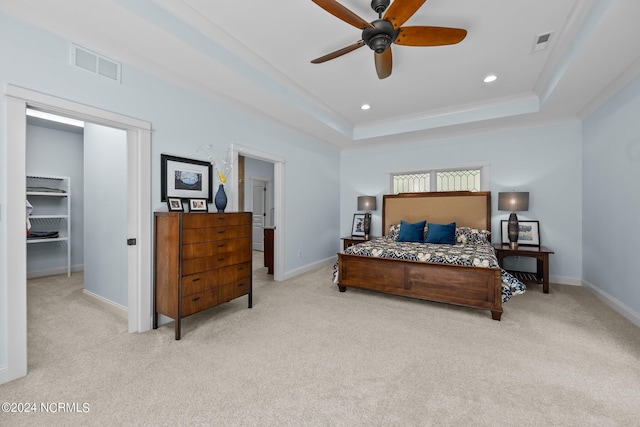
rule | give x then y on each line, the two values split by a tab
490	78
365	106
380	42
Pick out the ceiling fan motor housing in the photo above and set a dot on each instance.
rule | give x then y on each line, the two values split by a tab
381	36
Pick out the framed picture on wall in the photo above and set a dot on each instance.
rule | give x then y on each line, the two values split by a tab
528	235
198	205
357	228
185	178
175	204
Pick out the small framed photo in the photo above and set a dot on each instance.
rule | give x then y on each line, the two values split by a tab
357	228
198	205
529	234
175	204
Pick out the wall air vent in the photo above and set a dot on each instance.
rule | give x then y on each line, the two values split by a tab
95	63
542	41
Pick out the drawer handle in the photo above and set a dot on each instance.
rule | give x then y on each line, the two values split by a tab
195	299
220	259
222	231
221	245
196	280
240	285
240	268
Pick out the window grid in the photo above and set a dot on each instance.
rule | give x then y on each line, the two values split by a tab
411	183
461	180
445	180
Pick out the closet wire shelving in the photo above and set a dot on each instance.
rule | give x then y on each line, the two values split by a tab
50	197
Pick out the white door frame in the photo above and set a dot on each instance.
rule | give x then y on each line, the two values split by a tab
139	214
278	199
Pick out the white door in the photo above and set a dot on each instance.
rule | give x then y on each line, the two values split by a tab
258	206
105	250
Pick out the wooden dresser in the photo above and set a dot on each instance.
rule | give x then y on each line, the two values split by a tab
201	260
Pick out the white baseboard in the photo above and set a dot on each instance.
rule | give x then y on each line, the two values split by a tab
564	280
53	271
612	302
8	374
310	267
110	306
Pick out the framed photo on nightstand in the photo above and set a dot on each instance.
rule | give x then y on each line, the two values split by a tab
357	228
529	234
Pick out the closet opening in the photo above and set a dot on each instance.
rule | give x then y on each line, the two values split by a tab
138	222
76	195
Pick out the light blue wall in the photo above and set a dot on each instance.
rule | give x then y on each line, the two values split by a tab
182	121
543	161
611	199
57	152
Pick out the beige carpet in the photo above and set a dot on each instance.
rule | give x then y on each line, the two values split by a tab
309	355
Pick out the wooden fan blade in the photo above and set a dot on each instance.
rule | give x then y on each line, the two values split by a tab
341	12
429	36
384	63
338	52
401	10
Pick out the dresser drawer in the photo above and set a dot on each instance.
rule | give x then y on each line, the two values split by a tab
197	302
206	280
233	290
197	265
199	250
202	220
199	282
234	273
198	235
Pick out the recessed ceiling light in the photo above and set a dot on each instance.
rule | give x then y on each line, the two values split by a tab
490	78
365	106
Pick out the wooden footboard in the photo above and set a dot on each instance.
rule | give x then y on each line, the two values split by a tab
474	287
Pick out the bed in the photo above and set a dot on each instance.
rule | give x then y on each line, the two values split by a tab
465	273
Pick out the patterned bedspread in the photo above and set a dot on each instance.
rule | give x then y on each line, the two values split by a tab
476	254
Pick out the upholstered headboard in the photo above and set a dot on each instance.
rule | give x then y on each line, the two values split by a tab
466	209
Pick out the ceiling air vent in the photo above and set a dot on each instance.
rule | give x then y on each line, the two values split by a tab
95	63
542	41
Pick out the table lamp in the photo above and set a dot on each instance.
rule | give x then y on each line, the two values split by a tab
367	204
513	202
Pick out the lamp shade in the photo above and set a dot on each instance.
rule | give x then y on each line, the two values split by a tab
513	201
366	203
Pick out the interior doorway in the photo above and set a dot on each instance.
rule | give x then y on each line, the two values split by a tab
138	214
276	212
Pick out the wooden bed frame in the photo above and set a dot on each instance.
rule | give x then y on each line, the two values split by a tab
475	287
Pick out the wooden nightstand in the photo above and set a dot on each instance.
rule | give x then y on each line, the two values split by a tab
538	252
353	240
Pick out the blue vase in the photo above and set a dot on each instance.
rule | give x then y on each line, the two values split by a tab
221	199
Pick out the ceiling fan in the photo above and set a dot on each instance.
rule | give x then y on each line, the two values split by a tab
381	33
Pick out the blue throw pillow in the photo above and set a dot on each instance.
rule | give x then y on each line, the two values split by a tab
441	233
411	232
